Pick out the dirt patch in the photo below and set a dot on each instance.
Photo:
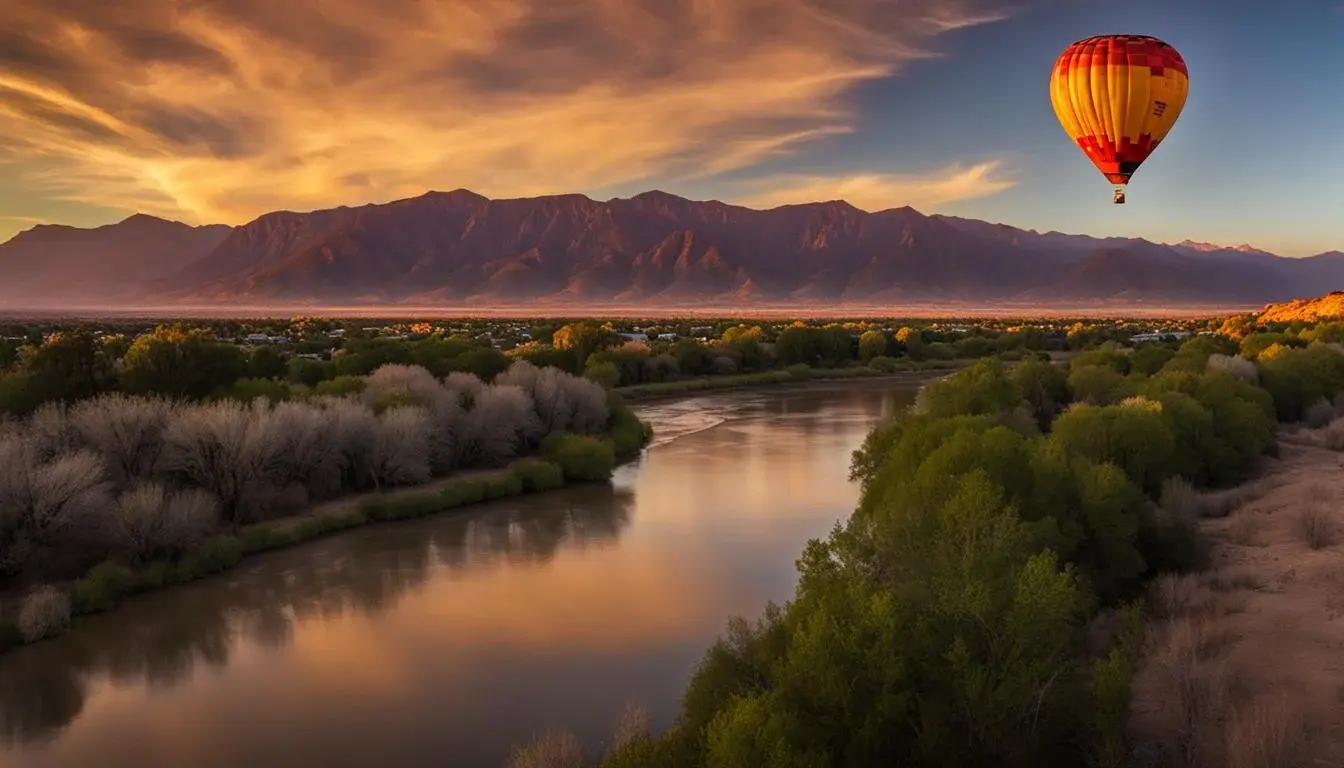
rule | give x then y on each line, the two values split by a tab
1244	664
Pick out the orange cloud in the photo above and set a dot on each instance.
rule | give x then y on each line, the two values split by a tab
876	192
221	109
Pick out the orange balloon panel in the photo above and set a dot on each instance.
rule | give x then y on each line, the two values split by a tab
1118	96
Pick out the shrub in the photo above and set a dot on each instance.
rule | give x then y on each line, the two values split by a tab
102	587
339	386
45	613
605	374
1236	366
581	458
1316	526
1321	413
884	364
627	433
151	522
552	749
537	475
218	553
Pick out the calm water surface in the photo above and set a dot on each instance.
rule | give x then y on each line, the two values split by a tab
443	641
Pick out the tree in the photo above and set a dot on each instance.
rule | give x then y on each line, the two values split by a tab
872	344
177	362
266	363
1045	388
983	388
583	339
68	366
912	342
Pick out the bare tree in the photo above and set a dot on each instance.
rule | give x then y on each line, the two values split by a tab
309	453
412	381
1237	366
127	432
43	503
354	428
230	450
467	386
500	424
401	446
51	432
152	521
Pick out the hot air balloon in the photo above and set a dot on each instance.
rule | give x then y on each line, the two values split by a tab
1118	96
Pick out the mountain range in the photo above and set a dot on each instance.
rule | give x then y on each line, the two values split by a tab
459	249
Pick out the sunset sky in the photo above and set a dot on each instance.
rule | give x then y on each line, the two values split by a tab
215	111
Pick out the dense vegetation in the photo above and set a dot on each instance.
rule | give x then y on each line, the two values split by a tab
132	483
947	621
283	360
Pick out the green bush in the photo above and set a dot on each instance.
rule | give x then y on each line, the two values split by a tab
580	457
537	475
101	589
339	386
627	432
219	553
884	364
799	371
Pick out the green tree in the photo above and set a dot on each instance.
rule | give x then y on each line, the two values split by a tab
982	388
266	363
583	339
872	344
1045	388
604	373
175	361
1132	436
68	366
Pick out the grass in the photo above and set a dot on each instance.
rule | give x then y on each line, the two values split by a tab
1316	527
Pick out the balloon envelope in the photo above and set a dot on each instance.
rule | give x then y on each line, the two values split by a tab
1118	97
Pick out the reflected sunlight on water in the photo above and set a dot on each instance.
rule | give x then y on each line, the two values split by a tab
442	641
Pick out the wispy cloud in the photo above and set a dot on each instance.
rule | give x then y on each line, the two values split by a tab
877	191
221	109
25	219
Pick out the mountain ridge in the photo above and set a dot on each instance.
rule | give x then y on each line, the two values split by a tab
654	248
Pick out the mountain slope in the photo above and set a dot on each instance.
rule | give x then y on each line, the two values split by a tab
653	249
116	261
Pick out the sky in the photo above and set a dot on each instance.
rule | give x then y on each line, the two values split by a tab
217	111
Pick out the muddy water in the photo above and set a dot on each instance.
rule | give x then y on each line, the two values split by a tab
440	642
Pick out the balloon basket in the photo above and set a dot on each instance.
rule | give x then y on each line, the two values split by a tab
1119	198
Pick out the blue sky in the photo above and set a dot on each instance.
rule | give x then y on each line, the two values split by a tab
224	113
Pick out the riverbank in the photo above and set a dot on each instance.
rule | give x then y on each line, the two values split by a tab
1242	666
796	375
563	460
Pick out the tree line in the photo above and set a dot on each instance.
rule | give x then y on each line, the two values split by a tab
952	619
117	483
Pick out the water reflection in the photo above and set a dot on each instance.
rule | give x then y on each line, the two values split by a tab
42	687
442	641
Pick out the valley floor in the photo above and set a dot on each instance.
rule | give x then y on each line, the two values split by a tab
1245	662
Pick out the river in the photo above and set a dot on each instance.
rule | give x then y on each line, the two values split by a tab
442	641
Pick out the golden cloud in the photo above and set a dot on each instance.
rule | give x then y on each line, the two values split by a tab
219	110
876	192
